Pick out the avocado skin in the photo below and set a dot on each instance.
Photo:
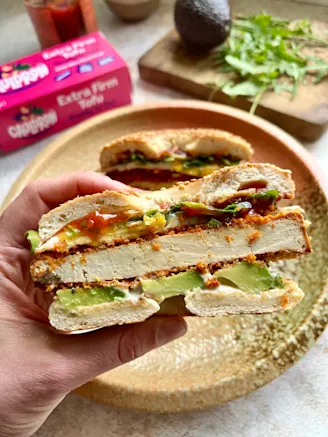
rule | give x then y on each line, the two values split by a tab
202	24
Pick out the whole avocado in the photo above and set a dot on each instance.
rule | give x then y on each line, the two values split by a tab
202	24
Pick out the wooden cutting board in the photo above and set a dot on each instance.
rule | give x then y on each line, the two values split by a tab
169	64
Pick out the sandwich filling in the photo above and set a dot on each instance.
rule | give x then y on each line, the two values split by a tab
101	228
243	277
178	163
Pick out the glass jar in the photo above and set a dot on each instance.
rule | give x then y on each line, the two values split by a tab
58	21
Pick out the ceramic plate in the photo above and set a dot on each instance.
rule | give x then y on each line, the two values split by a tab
223	358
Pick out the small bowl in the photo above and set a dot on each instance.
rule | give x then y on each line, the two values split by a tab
132	10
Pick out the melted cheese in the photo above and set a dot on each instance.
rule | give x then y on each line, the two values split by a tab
176	166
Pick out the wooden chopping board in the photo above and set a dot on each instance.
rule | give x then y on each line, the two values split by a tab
169	64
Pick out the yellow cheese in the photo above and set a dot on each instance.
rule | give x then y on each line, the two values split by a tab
195	171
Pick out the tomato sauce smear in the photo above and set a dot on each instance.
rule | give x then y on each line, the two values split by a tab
94	223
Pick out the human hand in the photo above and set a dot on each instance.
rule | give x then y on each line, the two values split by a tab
38	366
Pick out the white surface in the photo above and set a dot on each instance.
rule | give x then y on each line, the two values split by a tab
294	405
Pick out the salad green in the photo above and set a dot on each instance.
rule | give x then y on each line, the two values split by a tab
265	53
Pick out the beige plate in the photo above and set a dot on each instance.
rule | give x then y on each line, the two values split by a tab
223	358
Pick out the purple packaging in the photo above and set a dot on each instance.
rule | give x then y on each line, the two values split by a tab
58	87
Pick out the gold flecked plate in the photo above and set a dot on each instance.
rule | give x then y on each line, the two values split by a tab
226	357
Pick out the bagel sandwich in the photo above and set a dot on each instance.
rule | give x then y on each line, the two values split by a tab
201	247
155	159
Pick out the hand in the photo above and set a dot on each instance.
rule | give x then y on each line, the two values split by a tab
38	366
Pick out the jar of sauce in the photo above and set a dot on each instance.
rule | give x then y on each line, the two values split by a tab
58	21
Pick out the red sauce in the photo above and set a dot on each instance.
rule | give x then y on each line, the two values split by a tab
94	223
44	26
154	175
67	18
58	21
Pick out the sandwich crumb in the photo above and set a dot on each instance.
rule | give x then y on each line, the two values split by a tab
284	300
53	263
83	258
253	237
49	288
156	247
212	283
201	267
229	238
251	259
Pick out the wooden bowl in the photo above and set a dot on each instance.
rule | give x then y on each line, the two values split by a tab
226	357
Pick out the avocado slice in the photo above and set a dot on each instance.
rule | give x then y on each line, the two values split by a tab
73	297
173	285
34	239
251	278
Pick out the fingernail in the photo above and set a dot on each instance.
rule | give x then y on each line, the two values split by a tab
170	329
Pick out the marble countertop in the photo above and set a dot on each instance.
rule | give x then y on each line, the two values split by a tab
296	404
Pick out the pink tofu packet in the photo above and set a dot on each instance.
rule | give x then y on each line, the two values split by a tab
58	87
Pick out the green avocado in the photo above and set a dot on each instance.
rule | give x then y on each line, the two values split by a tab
202	24
33	238
251	278
173	285
73	297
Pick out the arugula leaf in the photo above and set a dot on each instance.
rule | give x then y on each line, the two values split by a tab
139	157
246	67
278	87
200	161
320	75
174	208
151	212
226	68
135	156
266	195
233	208
213	223
265	53
247	88
229	162
197	162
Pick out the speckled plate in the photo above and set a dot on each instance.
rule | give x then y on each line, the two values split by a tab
223	358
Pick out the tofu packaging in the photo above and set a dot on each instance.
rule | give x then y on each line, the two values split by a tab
58	87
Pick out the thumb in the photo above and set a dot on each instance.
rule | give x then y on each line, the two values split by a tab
83	357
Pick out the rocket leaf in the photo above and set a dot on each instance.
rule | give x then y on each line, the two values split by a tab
265	53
